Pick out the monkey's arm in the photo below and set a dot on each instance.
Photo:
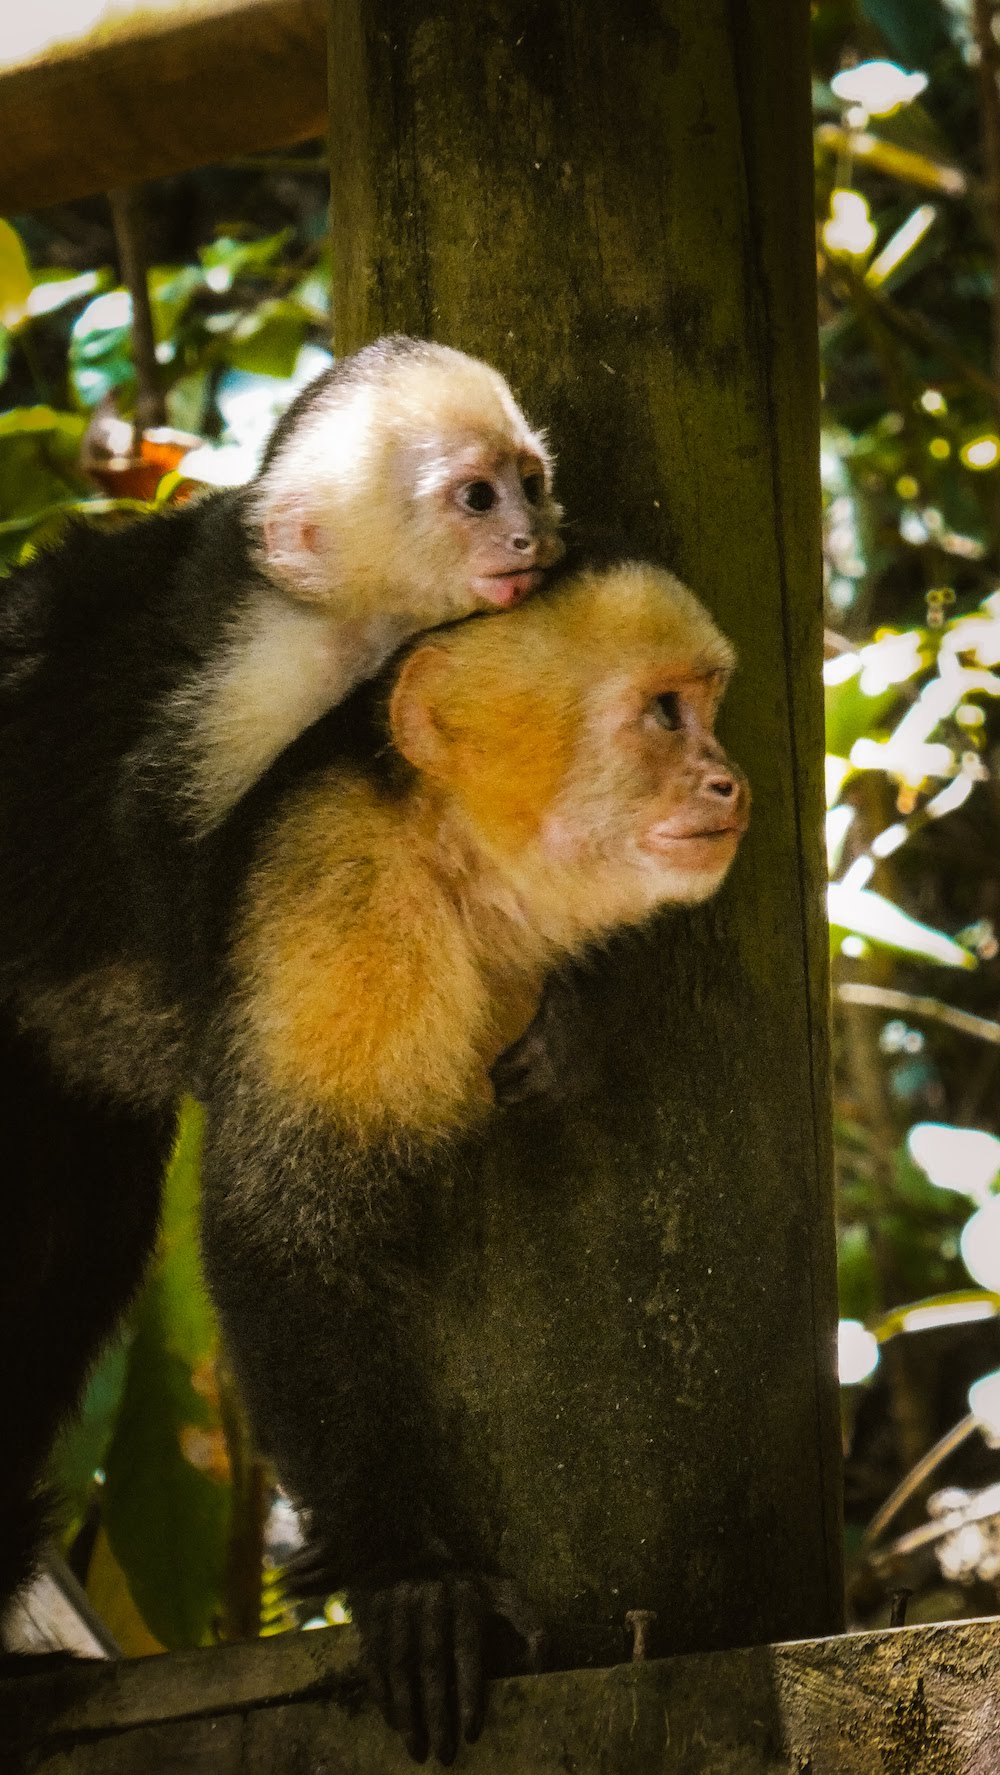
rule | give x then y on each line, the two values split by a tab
311	1267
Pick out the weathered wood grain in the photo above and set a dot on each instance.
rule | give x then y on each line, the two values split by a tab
632	1306
160	88
914	1701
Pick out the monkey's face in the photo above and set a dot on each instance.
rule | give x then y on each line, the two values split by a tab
482	524
576	736
416	494
497	505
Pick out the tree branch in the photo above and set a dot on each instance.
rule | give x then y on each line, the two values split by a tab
911	1004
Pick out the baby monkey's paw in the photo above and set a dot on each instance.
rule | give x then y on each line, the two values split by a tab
547	1065
427	1646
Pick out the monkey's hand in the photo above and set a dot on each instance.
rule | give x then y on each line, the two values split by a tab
545	1064
427	1644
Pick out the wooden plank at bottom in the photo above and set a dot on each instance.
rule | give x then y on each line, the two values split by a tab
205	1747
909	1701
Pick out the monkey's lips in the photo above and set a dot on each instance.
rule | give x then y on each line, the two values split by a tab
701	847
507	589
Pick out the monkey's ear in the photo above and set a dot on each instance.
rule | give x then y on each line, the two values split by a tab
414	715
293	546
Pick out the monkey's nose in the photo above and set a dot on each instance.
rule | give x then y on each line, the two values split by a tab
522	542
722	784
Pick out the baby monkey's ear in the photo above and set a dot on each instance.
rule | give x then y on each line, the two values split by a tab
416	715
293	545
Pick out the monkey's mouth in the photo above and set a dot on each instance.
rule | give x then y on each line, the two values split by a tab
703	848
507	589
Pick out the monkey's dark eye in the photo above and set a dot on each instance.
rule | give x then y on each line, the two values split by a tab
479	496
667	710
534	487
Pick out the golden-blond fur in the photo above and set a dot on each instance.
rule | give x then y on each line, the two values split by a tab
391	948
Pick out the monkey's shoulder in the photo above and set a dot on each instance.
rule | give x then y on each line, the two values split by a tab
156	581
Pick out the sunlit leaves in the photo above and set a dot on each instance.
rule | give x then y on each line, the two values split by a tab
849	228
857	1352
962	1159
100	351
38	469
267	341
55	289
226	260
903	705
871	915
879	87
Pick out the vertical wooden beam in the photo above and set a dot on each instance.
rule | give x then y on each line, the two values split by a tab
632	1313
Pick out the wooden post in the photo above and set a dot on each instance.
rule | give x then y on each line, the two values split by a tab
631	1328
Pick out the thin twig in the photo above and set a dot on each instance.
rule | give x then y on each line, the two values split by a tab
838	643
127	216
914	1479
912	1004
915	328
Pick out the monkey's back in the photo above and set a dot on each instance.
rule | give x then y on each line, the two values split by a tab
94	636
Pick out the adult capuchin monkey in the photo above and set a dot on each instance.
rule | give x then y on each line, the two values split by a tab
371	928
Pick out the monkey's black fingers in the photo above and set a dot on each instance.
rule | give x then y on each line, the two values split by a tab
434	1661
371	1617
470	1687
403	1676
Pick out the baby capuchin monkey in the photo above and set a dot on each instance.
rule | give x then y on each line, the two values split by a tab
369	930
402	489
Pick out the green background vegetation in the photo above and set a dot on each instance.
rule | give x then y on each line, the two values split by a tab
167	1507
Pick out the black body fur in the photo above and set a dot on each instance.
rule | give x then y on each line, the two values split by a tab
115	920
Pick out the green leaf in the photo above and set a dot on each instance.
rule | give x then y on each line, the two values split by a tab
868	914
100	348
55	288
226	259
15	277
171	290
82	1445
267	341
188	401
934	1305
313	291
852	715
38	469
167	1493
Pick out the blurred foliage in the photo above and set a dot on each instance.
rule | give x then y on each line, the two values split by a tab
908	232
166	1505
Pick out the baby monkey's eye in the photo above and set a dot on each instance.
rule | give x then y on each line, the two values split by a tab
534	487
479	496
667	710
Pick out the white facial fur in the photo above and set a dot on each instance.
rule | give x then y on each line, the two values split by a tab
368	537
363	509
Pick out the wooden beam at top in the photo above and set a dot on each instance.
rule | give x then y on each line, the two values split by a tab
136	92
